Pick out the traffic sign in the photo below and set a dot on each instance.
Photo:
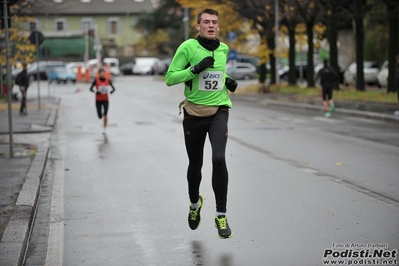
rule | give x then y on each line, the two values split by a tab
36	34
232	55
231	35
10	2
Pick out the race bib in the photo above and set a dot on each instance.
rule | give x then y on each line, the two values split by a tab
103	89
210	81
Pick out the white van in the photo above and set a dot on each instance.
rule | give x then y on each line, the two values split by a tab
111	63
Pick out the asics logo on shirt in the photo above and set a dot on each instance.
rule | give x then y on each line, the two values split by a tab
211	76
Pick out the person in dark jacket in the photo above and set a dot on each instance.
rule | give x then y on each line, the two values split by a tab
22	80
328	79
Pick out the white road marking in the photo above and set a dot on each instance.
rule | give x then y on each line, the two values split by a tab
55	244
328	120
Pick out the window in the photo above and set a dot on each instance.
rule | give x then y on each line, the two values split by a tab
86	22
33	25
113	26
60	24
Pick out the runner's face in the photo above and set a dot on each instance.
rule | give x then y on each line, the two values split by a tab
209	26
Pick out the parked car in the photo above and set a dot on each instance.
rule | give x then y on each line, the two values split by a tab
301	71
148	66
241	71
242	58
110	64
370	69
113	65
43	67
127	68
61	74
73	66
382	75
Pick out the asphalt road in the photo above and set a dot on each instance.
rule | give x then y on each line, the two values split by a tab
301	185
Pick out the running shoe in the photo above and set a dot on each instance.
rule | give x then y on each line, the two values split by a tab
104	131
223	227
332	107
194	217
327	114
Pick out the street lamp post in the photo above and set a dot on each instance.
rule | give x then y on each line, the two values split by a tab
9	84
185	20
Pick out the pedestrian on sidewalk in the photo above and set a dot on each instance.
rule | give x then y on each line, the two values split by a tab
397	80
328	80
201	65
102	84
22	80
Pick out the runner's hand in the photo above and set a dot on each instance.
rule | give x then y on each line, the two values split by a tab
205	63
231	84
98	93
112	91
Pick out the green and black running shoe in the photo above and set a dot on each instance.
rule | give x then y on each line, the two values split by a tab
194	217
223	227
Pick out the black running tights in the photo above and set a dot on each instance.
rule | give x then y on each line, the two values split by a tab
195	132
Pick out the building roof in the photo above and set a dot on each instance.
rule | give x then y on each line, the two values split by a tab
90	7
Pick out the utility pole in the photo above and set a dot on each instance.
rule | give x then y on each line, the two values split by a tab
9	83
186	20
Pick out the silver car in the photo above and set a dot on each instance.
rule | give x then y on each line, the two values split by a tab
370	70
383	75
241	71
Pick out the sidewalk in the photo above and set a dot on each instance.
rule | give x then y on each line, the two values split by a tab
20	176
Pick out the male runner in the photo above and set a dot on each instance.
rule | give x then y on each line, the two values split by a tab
102	85
328	79
200	64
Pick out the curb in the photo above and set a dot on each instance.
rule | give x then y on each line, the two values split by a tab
366	114
16	235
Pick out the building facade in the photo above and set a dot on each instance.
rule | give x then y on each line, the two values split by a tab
68	25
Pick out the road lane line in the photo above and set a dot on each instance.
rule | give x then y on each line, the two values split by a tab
55	244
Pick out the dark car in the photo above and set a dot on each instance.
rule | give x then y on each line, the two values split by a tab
127	68
301	71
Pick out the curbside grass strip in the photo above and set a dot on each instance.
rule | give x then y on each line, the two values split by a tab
358	113
15	237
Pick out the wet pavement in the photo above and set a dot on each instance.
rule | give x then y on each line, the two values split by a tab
21	176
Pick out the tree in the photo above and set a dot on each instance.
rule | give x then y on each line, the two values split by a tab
21	48
393	21
308	11
290	18
357	9
335	17
261	15
162	29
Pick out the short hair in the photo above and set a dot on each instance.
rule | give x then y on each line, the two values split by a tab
206	11
325	61
101	70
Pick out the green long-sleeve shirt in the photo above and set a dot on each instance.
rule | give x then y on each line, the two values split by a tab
208	87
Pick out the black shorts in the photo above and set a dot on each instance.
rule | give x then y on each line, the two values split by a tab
99	105
327	93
